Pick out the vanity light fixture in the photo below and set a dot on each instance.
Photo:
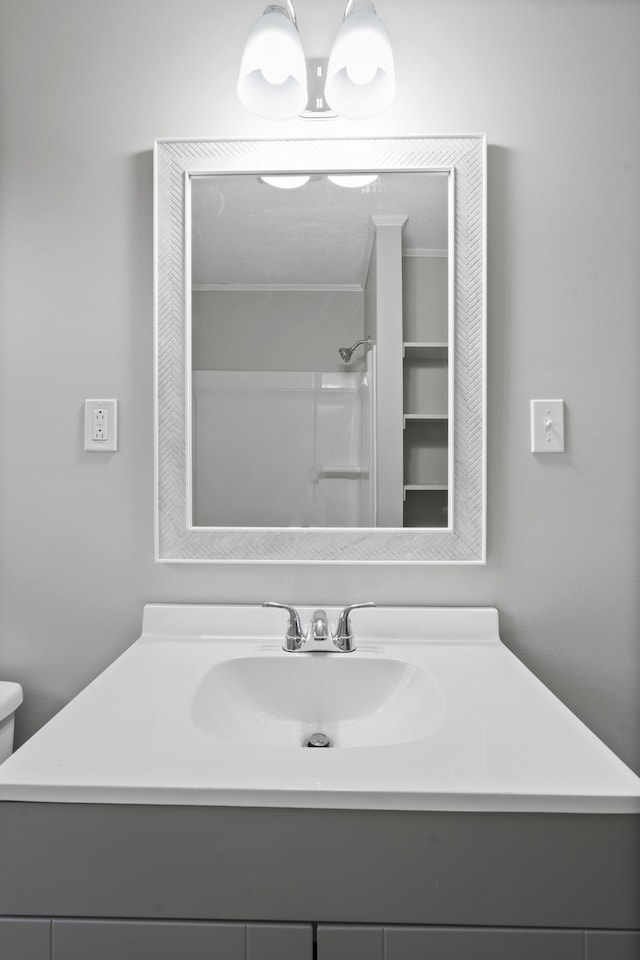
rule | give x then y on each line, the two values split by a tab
276	81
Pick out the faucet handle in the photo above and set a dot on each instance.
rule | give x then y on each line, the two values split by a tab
294	637
344	639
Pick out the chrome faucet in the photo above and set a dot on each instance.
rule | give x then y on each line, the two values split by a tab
318	630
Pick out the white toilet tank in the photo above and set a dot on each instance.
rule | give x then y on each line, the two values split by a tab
10	700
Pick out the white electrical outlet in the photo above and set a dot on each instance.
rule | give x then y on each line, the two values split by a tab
547	426
100	426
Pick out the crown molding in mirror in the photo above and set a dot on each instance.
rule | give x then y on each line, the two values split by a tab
464	158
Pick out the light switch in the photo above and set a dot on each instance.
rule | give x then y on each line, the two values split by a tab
101	426
547	426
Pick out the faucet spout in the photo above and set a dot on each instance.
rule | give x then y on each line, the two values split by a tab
319	626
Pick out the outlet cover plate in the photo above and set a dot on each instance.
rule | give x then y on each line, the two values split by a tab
108	410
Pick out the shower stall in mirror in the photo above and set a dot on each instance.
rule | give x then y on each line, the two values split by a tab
320	340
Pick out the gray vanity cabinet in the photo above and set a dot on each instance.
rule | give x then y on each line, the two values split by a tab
166	940
447	943
91	882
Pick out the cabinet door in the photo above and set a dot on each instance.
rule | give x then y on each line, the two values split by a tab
273	941
169	940
415	943
447	943
611	945
342	942
25	939
139	940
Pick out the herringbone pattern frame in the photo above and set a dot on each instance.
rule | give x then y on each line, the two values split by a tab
464	157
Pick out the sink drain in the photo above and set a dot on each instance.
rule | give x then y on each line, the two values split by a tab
318	740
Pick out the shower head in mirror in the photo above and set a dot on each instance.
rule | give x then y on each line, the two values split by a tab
347	352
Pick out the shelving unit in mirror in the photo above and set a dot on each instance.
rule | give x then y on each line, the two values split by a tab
426	388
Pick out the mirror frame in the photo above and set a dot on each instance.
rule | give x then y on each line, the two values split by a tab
463	541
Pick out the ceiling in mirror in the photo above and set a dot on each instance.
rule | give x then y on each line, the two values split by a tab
269	446
248	231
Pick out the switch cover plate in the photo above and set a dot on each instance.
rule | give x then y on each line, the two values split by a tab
547	426
100	426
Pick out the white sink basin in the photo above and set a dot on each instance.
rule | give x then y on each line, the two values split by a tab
281	702
431	712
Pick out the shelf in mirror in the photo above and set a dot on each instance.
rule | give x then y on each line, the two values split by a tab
341	472
425	350
426	505
422	417
426	449
410	487
425	382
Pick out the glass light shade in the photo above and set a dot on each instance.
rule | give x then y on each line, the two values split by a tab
352	179
360	75
286	181
273	71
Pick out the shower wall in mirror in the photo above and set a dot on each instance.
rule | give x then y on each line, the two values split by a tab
294	282
320	350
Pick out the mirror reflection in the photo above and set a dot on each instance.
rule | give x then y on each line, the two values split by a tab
320	334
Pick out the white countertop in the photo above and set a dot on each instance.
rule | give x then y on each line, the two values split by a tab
503	743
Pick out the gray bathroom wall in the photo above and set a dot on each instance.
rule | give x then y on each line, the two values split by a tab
85	87
275	329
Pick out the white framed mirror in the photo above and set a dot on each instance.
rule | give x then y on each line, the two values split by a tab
275	441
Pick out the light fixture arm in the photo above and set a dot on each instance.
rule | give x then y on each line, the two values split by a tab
317	106
359	5
289	11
